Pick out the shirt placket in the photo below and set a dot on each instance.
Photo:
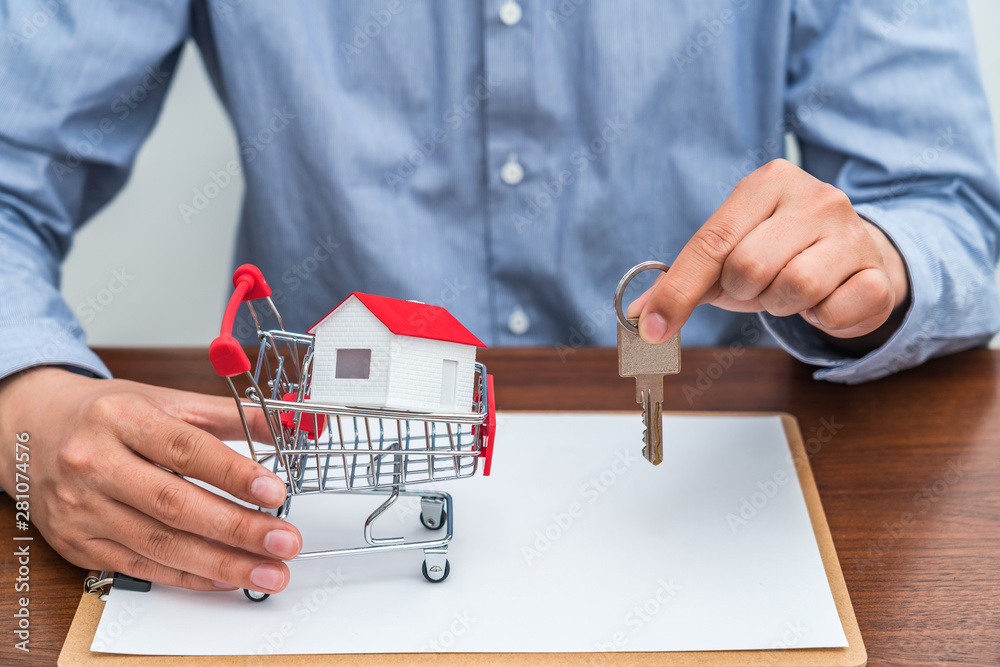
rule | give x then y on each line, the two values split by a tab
509	148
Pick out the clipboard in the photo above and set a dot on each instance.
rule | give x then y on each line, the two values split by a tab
76	649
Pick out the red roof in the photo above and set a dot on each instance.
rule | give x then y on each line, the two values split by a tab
410	318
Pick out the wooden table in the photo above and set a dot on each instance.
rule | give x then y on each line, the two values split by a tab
908	469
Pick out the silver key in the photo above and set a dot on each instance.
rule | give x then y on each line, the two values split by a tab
648	364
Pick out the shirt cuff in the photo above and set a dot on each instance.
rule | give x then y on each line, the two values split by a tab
916	339
47	344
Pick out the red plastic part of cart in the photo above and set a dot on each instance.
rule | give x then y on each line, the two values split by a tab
225	352
228	357
489	428
259	289
305	418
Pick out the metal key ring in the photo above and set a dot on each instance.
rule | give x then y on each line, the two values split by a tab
623	283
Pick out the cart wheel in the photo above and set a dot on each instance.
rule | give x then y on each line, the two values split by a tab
440	577
257	596
434	523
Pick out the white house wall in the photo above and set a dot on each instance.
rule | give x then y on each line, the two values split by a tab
415	373
351	326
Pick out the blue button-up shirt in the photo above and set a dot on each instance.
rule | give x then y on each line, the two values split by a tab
509	165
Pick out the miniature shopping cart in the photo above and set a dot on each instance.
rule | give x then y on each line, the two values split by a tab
318	448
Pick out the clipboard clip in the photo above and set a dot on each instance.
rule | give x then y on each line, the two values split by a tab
101	584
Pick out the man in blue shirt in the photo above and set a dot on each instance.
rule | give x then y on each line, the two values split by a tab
508	159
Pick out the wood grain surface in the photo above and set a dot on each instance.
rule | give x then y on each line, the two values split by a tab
908	469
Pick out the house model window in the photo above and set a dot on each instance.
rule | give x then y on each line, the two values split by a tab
353	364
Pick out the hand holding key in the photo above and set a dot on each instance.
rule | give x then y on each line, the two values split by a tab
647	363
786	243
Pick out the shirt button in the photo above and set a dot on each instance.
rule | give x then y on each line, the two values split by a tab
510	12
518	322
512	172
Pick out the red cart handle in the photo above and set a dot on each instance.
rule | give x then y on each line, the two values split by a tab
226	353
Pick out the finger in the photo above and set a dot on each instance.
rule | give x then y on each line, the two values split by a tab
811	276
695	275
114	557
216	415
189	553
189	451
859	306
636	306
221	418
765	251
180	504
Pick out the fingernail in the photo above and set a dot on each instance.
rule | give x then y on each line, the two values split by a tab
653	328
811	316
281	543
267	577
268	491
223	586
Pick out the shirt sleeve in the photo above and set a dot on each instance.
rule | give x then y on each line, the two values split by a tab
82	83
887	104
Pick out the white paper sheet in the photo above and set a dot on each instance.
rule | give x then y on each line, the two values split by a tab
574	543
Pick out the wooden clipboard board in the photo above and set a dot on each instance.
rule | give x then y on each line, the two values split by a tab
76	649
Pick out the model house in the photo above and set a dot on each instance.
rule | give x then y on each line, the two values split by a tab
382	352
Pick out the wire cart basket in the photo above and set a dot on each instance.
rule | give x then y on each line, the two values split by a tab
317	448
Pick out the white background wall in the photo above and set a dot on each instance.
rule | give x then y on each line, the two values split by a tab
179	270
